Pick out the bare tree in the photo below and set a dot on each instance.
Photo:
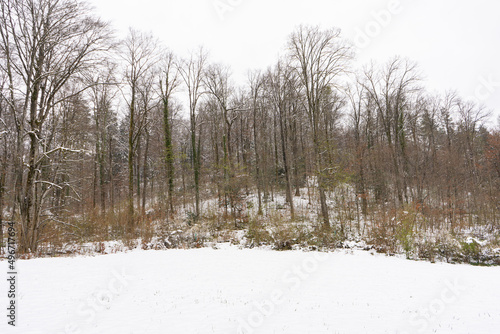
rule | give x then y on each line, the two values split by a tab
168	83
256	81
320	57
47	44
355	95
217	82
102	94
391	91
192	71
282	88
140	56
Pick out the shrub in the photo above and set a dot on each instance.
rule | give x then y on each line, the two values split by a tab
471	250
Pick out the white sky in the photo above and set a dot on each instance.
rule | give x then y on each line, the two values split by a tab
455	42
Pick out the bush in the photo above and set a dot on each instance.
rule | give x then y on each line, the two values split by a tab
405	232
471	250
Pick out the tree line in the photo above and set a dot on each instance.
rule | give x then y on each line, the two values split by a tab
92	124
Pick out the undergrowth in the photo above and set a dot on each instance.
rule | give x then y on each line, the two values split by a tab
407	231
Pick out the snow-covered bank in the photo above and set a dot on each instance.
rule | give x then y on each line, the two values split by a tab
230	290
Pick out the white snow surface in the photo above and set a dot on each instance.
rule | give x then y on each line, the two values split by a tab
232	290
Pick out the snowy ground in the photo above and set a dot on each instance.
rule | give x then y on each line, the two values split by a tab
229	290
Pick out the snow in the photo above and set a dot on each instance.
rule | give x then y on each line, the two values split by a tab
225	289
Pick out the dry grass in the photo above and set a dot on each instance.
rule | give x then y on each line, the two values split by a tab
415	231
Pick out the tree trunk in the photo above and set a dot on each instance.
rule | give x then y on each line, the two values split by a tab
169	154
257	161
289	196
131	219
145	173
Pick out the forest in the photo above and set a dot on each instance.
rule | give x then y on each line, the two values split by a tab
104	139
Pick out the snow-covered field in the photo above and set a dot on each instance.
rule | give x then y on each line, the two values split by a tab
229	290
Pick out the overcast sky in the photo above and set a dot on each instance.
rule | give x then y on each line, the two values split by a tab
455	42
